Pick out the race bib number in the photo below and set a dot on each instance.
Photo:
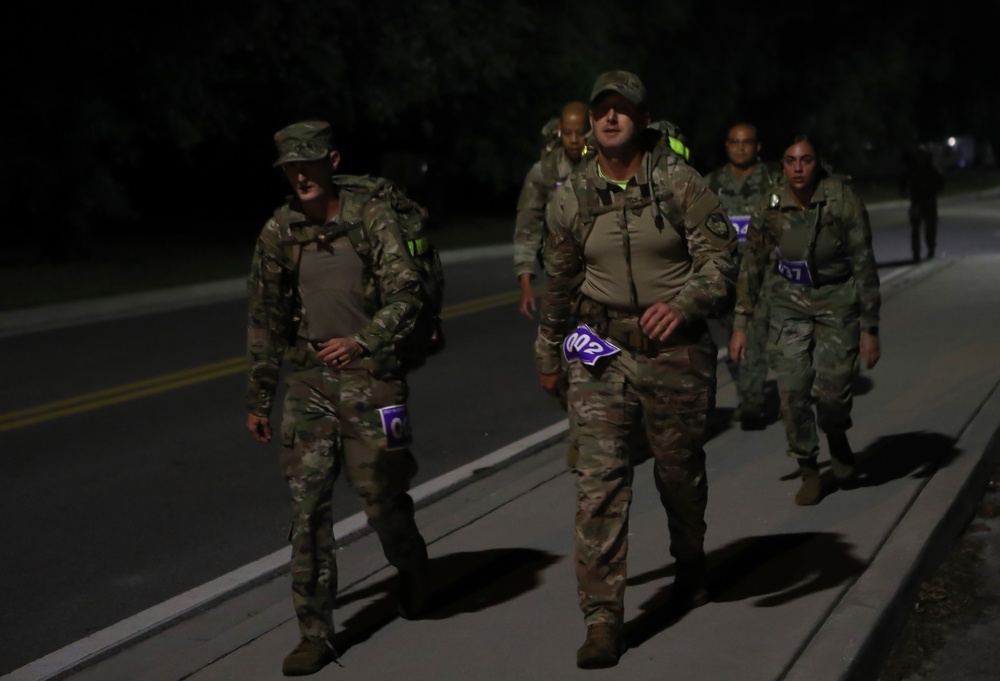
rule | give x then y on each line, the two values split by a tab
583	345
396	425
795	271
741	223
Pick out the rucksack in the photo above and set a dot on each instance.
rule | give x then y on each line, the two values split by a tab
361	194
550	135
427	337
661	158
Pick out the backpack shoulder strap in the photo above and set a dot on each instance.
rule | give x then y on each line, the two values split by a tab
291	239
589	204
662	165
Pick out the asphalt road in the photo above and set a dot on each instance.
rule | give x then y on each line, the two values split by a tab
128	477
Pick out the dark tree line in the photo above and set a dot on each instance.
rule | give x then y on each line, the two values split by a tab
128	116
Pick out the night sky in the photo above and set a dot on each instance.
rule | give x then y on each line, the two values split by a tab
120	112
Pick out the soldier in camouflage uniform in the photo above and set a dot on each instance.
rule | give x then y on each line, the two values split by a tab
313	295
641	251
813	232
741	185
543	178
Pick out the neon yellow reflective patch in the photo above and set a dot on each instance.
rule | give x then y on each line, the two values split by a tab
418	246
680	148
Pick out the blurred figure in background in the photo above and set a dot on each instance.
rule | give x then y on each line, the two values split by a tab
922	181
741	185
555	165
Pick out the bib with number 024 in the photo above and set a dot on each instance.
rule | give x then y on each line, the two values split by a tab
740	222
396	426
583	345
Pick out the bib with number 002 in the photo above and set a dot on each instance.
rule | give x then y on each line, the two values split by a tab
583	345
740	222
396	426
795	271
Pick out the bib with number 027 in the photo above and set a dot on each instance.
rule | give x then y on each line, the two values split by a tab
740	222
795	271
583	345
396	426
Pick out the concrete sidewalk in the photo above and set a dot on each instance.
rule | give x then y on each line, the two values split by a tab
798	593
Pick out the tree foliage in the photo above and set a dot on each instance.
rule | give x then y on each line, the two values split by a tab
129	113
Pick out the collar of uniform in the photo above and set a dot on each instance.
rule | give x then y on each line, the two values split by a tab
604	183
784	192
296	216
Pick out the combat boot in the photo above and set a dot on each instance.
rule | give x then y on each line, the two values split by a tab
603	647
690	589
308	657
810	491
841	456
412	591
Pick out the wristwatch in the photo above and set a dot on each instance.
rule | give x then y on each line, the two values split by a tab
870	330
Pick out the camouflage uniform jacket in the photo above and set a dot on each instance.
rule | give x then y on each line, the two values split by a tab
681	201
390	289
529	229
836	243
740	196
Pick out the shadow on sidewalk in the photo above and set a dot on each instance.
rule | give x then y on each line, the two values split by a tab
918	454
460	583
773	569
722	419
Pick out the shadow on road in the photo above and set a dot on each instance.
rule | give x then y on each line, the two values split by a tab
773	569
460	583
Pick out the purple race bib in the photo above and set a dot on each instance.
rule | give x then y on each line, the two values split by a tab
740	222
583	345
396	426
795	271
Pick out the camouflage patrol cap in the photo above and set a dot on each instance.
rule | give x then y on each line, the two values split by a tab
624	83
304	141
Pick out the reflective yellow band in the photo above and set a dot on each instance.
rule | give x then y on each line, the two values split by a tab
680	148
418	246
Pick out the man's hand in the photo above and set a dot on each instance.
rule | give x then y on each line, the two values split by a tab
738	346
527	308
259	427
660	320
553	384
338	352
871	349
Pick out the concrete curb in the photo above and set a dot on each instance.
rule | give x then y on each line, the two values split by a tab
857	635
62	315
107	642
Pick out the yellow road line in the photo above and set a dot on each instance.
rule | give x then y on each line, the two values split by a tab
21	418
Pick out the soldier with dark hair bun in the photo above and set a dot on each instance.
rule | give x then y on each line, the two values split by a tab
813	233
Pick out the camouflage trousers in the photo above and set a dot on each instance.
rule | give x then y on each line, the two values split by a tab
669	394
814	346
752	372
926	213
330	420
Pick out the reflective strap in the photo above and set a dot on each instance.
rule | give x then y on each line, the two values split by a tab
680	148
418	246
